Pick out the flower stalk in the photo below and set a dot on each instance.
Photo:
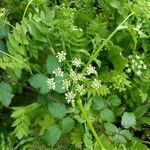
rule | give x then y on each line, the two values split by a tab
79	102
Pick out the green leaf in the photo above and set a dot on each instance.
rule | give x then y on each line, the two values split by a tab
126	134
67	124
115	56
98	103
57	110
5	94
59	84
52	63
107	115
128	120
118	138
110	128
114	100
141	110
4	30
146	120
52	135
39	81
138	145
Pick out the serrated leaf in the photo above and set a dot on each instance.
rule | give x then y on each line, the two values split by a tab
59	84
110	128
57	110
114	100
128	120
115	56
118	138
4	30
126	134
5	94
52	63
39	81
98	103
141	110
52	135
67	124
107	115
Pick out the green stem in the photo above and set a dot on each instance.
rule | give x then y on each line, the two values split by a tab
26	8
94	56
79	102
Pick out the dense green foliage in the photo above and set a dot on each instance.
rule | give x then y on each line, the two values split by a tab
74	75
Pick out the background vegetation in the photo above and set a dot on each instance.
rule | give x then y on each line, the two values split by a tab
74	74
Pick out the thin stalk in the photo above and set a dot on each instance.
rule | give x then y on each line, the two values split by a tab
79	102
94	56
26	8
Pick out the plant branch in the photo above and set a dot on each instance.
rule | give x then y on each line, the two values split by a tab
94	56
79	102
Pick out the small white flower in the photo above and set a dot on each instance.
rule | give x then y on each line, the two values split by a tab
127	65
70	97
51	83
136	64
58	72
73	74
96	84
141	62
61	56
91	69
137	57
144	67
66	83
76	62
133	60
80	77
128	70
80	89
139	73
139	66
81	30
130	56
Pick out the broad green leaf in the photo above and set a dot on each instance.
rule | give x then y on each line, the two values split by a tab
52	63
57	110
107	115
98	103
110	128
126	134
5	94
118	138
128	120
67	124
52	135
138	145
141	110
145	120
39	81
114	100
4	30
106	143
115	56
59	84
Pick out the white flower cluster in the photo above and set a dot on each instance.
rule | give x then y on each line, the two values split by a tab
76	62
61	56
80	89
66	84
70	97
58	72
51	83
135	64
91	70
96	84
